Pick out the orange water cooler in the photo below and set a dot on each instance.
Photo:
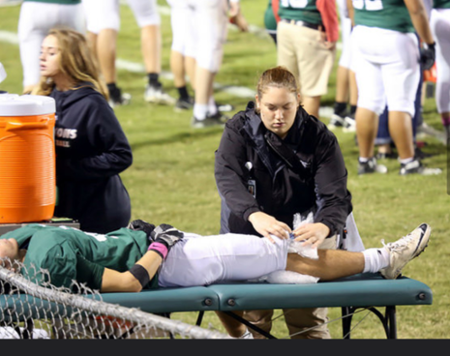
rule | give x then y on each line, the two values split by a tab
27	158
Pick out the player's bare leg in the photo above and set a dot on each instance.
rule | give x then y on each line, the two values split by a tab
332	264
400	128
151	48
311	104
366	131
106	52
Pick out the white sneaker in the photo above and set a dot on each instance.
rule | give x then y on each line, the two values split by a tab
349	124
405	249
156	95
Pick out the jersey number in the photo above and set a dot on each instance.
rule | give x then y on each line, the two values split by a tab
296	4
370	5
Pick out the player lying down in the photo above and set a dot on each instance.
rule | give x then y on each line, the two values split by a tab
142	256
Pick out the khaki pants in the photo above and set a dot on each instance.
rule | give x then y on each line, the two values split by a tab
297	320
300	50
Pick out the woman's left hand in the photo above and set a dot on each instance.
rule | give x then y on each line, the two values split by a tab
312	234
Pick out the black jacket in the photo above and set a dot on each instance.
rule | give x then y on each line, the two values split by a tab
91	151
308	173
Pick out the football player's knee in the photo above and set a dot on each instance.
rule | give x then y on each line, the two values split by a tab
152	19
402	105
372	104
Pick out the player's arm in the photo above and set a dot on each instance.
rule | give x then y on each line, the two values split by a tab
163	238
419	18
114	281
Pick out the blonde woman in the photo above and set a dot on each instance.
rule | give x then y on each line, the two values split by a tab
91	147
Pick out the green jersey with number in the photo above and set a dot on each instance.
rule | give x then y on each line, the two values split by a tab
71	254
303	10
441	4
387	14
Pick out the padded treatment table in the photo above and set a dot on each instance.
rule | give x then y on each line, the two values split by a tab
367	290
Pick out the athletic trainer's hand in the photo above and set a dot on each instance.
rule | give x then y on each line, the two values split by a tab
267	225
312	233
167	235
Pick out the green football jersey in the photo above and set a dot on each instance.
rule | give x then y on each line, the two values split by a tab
303	10
441	4
386	14
71	254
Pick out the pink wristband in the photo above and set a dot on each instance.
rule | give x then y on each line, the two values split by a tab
159	248
446	121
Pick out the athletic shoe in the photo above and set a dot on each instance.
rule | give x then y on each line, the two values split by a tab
337	120
224	107
184	104
405	249
349	124
214	120
416	167
371	166
117	98
155	94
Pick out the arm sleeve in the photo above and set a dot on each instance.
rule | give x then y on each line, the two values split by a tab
231	178
328	12
333	198
113	152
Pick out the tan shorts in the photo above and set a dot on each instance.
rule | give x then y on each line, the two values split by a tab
300	50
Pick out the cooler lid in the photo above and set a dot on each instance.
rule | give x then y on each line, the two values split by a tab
26	105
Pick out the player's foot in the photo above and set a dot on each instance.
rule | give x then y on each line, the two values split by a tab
337	120
371	166
117	98
349	124
183	104
211	120
155	94
405	249
416	167
224	107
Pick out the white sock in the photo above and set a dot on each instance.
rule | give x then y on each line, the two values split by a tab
406	160
375	259
212	108
200	111
363	159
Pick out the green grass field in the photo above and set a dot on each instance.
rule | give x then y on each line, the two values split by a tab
171	179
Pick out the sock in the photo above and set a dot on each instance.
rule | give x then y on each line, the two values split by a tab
375	259
212	107
406	160
363	159
200	111
183	93
353	109
153	79
339	108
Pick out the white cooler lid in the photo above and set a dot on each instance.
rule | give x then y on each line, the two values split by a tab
26	105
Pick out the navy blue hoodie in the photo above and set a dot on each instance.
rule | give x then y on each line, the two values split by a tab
91	151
